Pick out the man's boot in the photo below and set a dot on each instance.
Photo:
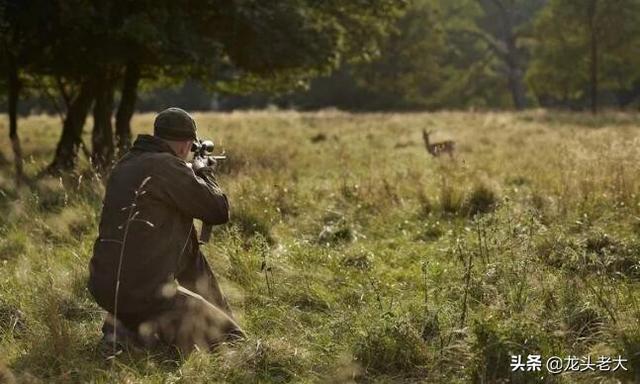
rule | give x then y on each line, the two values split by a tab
123	339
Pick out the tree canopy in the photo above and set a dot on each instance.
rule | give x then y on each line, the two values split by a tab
585	48
87	49
488	54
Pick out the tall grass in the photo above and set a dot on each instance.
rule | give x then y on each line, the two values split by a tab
358	257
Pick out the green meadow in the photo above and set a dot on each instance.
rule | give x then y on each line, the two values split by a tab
353	255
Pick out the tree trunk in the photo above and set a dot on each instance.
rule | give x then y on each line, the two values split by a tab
67	150
593	62
127	107
14	91
511	55
594	77
102	134
516	86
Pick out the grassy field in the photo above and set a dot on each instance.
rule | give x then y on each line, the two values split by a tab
383	264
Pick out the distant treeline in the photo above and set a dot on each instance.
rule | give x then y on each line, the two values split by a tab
575	54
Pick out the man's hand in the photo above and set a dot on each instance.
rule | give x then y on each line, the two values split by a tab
202	162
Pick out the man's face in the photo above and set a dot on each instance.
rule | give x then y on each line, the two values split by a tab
185	149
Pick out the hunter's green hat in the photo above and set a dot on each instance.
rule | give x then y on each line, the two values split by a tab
175	124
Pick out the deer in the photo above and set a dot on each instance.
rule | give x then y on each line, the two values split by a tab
436	149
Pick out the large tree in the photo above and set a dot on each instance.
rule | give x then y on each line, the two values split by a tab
230	45
22	29
505	26
410	71
584	47
456	53
92	48
441	54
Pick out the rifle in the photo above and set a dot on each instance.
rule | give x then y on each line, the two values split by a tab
203	149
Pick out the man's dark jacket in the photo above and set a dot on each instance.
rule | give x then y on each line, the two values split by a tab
153	253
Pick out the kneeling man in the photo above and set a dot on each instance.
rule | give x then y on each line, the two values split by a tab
147	270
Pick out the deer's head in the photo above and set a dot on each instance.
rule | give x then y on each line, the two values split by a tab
426	133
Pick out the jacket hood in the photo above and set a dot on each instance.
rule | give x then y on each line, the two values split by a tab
148	143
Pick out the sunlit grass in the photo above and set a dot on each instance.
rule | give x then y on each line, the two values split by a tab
383	263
